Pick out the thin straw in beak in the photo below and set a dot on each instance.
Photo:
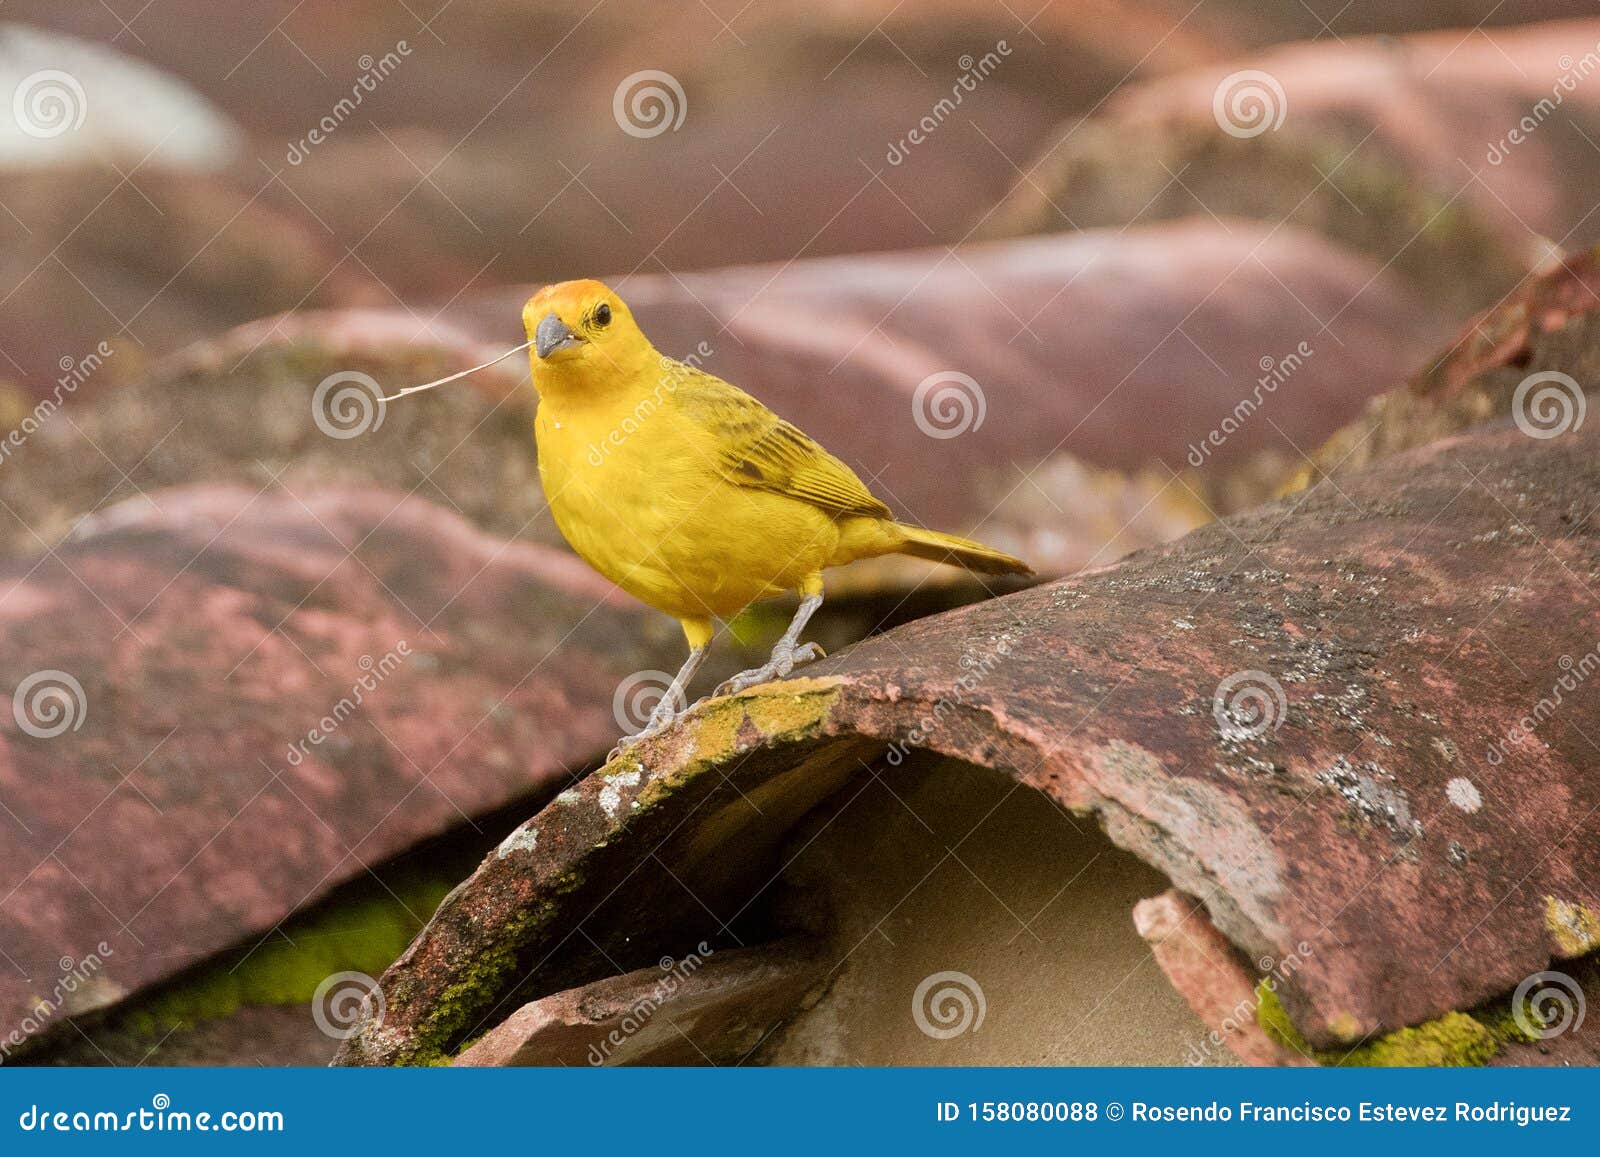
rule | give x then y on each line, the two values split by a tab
457	376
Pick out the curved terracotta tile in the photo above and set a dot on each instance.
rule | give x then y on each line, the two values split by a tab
1298	715
1399	147
237	698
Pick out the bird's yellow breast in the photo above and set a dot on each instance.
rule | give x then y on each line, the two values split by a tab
635	488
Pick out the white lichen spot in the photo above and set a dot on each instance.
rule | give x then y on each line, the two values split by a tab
524	839
569	797
1183	624
1464	794
1374	794
611	793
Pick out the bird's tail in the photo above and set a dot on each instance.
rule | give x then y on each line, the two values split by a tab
939	547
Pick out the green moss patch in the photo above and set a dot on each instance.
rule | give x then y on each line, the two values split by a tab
364	933
1454	1040
481	980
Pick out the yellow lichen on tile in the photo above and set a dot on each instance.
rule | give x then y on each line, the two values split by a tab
1576	928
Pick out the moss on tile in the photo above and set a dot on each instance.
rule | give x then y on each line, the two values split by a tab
475	988
1576	929
363	934
1456	1040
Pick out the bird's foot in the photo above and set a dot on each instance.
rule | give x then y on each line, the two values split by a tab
662	717
784	660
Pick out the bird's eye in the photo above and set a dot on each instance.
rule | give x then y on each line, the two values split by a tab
602	315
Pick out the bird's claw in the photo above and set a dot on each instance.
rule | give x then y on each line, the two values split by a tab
660	719
783	661
806	653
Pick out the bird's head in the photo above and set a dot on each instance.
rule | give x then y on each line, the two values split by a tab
583	328
581	334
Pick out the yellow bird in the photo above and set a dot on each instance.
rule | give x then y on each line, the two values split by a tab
691	495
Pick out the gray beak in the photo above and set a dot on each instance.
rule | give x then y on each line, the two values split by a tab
553	335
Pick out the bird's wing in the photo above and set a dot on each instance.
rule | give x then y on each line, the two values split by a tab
758	449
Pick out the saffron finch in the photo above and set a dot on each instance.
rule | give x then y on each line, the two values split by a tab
690	494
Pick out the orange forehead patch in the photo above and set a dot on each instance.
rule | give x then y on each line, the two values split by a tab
578	293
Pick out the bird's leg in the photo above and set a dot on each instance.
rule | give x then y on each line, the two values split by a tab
786	656
667	710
